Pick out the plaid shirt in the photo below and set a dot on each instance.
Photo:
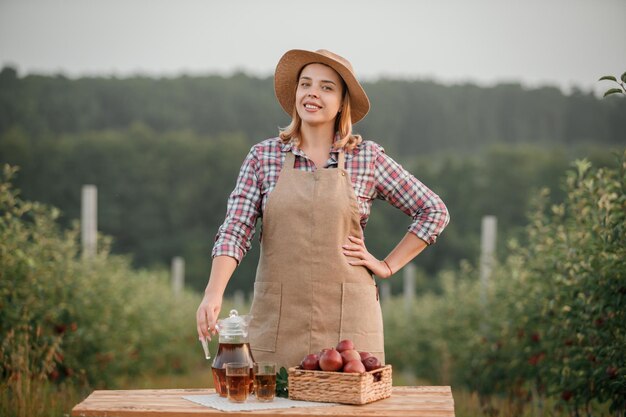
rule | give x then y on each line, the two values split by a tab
373	174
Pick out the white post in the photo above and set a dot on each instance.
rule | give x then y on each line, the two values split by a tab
238	299
409	286
487	249
178	275
89	220
385	292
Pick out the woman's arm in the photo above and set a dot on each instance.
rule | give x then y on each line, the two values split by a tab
405	192
231	243
208	311
409	247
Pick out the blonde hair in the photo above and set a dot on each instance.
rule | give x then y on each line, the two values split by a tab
343	125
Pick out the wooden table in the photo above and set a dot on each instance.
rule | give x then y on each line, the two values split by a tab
405	402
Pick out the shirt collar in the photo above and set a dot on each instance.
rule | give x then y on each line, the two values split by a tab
291	147
285	147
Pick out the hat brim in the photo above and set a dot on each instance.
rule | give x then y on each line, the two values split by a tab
286	79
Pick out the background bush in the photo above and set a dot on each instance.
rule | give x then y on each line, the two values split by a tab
88	321
550	324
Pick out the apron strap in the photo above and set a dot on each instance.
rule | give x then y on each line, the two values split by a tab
341	162
290	159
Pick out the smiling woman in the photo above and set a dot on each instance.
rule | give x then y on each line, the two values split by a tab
338	81
318	101
313	186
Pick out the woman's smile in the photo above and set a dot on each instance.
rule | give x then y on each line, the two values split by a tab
312	107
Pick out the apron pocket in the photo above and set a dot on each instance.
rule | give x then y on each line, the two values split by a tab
361	318
265	313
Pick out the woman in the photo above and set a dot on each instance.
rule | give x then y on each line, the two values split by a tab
313	187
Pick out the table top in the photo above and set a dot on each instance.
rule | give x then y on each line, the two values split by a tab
419	401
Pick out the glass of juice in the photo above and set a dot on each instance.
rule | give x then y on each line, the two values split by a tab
265	381
237	381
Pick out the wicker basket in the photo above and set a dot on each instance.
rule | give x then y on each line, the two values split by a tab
340	387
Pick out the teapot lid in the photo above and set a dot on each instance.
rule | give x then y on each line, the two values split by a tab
234	328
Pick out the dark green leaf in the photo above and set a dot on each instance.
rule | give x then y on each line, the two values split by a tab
623	77
613	91
282	383
608	77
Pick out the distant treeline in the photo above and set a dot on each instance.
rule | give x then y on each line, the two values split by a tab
408	117
165	154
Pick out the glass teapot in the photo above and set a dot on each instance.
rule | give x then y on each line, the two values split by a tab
233	347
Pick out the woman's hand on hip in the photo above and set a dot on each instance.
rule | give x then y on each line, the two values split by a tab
206	316
356	249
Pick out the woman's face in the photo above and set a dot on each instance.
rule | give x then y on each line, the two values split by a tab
319	94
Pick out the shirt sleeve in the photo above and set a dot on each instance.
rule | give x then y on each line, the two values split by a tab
243	209
402	190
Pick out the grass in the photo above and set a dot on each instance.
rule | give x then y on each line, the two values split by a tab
41	398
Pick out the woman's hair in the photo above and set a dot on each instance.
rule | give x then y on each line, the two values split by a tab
343	125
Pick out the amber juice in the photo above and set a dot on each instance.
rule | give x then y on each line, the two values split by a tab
265	387
230	352
238	387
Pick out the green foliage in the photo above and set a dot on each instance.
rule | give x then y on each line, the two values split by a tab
160	194
86	321
411	117
165	154
621	84
501	182
164	194
551	322
282	383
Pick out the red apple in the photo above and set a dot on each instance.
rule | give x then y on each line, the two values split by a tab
354	366
345	345
331	360
371	363
364	355
310	362
321	352
350	355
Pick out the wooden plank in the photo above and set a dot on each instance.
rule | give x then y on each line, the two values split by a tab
405	401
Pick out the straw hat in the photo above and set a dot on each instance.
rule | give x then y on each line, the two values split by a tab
290	65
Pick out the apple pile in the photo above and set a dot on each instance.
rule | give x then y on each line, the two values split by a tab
344	357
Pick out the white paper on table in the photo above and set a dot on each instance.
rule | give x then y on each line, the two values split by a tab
222	403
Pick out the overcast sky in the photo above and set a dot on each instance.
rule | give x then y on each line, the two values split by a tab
535	42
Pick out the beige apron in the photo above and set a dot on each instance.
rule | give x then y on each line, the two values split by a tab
306	295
